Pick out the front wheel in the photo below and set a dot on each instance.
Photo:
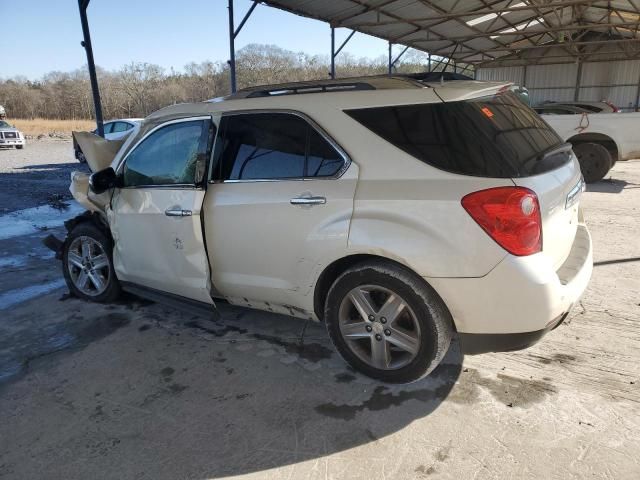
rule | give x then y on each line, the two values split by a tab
387	322
87	264
19	147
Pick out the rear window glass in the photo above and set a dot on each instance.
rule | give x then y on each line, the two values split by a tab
496	136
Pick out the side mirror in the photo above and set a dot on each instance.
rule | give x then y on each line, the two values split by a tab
103	180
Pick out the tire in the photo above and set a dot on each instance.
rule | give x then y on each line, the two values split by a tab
80	157
424	319
100	266
595	161
19	147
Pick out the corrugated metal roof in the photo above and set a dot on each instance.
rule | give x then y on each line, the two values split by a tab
504	32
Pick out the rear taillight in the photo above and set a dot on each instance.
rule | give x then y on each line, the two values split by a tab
510	215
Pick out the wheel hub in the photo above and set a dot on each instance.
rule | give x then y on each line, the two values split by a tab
88	266
379	327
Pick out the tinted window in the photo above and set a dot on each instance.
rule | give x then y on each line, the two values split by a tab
174	154
495	136
121	127
274	146
323	160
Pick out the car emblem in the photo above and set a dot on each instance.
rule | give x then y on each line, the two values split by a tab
574	194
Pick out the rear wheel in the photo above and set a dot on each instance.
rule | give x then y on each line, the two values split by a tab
595	161
387	323
87	264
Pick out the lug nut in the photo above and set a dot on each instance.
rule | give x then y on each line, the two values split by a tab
372	318
387	332
378	337
369	328
383	320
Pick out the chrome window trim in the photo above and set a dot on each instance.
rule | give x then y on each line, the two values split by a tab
154	129
345	157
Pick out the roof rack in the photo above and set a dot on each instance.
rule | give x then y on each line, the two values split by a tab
372	82
278	90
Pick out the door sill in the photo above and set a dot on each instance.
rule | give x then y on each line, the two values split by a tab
178	302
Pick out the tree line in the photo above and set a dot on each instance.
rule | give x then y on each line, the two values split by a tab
138	88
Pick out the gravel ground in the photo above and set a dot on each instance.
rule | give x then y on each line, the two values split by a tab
36	175
136	390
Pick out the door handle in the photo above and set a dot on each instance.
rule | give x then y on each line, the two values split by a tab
176	212
308	201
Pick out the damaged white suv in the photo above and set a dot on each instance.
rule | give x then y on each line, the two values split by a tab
397	212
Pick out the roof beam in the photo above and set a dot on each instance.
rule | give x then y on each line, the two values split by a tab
444	15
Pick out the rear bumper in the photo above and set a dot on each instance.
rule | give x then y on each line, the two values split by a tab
476	343
522	297
11	142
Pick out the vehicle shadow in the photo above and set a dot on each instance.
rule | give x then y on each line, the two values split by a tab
608	185
34	185
185	397
55	166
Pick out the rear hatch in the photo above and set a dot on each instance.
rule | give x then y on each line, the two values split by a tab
534	156
484	130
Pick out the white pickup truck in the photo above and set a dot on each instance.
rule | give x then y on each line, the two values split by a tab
599	139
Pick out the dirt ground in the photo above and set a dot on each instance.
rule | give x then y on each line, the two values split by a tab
138	391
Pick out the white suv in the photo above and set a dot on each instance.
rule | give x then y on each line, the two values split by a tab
397	212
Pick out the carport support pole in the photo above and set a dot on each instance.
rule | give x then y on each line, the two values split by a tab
576	93
638	96
390	65
232	49
86	43
333	54
233	33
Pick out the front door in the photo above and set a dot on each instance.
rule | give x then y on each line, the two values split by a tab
155	216
279	207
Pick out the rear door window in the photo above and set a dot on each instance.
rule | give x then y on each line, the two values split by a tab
121	127
272	146
496	136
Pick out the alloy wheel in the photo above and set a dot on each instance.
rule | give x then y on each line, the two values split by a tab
88	265
378	326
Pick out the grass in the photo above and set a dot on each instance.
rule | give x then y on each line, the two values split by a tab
38	126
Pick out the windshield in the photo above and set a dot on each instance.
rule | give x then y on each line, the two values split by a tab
497	136
4	124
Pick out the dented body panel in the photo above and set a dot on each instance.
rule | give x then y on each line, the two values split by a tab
250	243
160	252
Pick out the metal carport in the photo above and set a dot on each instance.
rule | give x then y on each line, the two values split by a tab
493	38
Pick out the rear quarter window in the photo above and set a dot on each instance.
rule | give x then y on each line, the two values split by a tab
496	136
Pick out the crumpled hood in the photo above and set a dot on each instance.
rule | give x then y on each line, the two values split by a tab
98	151
99	154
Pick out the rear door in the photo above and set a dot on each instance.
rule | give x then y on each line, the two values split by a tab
156	217
279	206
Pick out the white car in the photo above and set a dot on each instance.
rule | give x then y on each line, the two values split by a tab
599	139
10	136
399	213
113	130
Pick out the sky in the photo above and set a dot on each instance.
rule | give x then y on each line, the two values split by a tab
45	35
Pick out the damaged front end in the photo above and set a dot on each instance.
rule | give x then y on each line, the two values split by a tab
100	154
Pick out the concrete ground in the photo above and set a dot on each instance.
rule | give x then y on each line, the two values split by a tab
138	391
